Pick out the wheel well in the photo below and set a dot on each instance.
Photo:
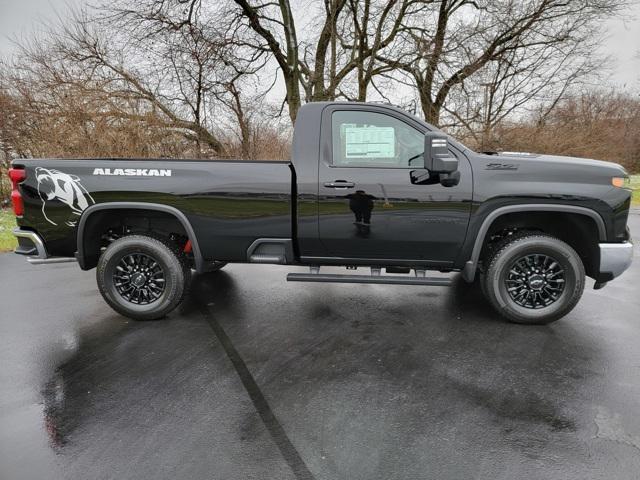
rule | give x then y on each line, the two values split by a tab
579	231
104	226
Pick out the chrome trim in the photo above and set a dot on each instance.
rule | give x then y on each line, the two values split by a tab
615	258
35	239
42	257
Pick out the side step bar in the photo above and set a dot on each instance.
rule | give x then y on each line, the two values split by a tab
375	278
29	242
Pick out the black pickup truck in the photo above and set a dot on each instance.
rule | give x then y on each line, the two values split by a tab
368	186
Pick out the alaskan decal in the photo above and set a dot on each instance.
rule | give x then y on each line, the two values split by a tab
57	186
133	172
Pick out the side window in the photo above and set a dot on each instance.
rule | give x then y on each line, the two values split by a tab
368	139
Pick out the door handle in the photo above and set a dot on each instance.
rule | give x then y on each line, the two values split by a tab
340	184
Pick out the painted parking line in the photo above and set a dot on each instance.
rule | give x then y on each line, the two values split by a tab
275	429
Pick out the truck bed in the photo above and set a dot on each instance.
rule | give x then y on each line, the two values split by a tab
229	203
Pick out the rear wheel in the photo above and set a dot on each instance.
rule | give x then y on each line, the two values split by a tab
534	279
142	277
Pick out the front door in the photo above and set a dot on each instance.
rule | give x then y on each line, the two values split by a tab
368	204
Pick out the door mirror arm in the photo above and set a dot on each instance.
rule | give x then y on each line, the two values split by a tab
423	177
450	179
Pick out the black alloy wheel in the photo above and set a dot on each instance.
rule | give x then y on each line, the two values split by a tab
143	277
535	281
139	278
533	278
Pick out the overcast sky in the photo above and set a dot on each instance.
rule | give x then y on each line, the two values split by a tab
622	42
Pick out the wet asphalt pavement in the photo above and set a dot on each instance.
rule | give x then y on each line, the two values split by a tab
254	378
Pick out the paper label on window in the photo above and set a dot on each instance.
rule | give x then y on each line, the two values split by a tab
370	142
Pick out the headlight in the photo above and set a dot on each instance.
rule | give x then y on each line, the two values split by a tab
621	182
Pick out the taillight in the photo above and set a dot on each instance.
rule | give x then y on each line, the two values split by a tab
16	176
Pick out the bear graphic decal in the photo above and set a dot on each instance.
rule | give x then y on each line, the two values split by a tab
57	186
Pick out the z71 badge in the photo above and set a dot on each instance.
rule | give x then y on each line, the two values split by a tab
502	166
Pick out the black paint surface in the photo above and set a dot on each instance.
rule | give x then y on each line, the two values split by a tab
230	204
256	378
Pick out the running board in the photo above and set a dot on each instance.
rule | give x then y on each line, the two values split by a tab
49	260
379	279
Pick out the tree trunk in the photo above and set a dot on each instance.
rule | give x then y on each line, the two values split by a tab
430	110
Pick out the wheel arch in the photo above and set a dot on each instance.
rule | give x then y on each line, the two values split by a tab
471	265
87	258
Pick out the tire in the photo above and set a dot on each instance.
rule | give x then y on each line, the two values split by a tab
534	279
135	264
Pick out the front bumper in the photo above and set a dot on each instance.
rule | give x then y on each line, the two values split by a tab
30	244
615	258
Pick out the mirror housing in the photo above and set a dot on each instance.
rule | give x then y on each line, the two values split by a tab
437	158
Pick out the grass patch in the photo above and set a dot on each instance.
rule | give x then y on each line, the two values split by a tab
635	184
7	224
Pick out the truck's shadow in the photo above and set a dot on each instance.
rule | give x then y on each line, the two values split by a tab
113	355
514	377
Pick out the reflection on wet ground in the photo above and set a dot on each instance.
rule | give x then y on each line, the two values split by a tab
256	378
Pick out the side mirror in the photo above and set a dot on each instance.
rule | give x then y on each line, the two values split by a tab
437	158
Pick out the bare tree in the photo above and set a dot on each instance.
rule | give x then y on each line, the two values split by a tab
352	34
168	64
459	38
598	123
157	68
517	83
209	65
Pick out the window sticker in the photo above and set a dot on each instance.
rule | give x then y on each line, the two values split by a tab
369	142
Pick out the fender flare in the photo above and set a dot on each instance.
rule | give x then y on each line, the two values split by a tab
470	267
181	217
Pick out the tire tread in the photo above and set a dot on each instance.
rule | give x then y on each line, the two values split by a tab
157	242
497	254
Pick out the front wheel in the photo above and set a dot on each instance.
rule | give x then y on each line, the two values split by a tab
534	279
143	278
